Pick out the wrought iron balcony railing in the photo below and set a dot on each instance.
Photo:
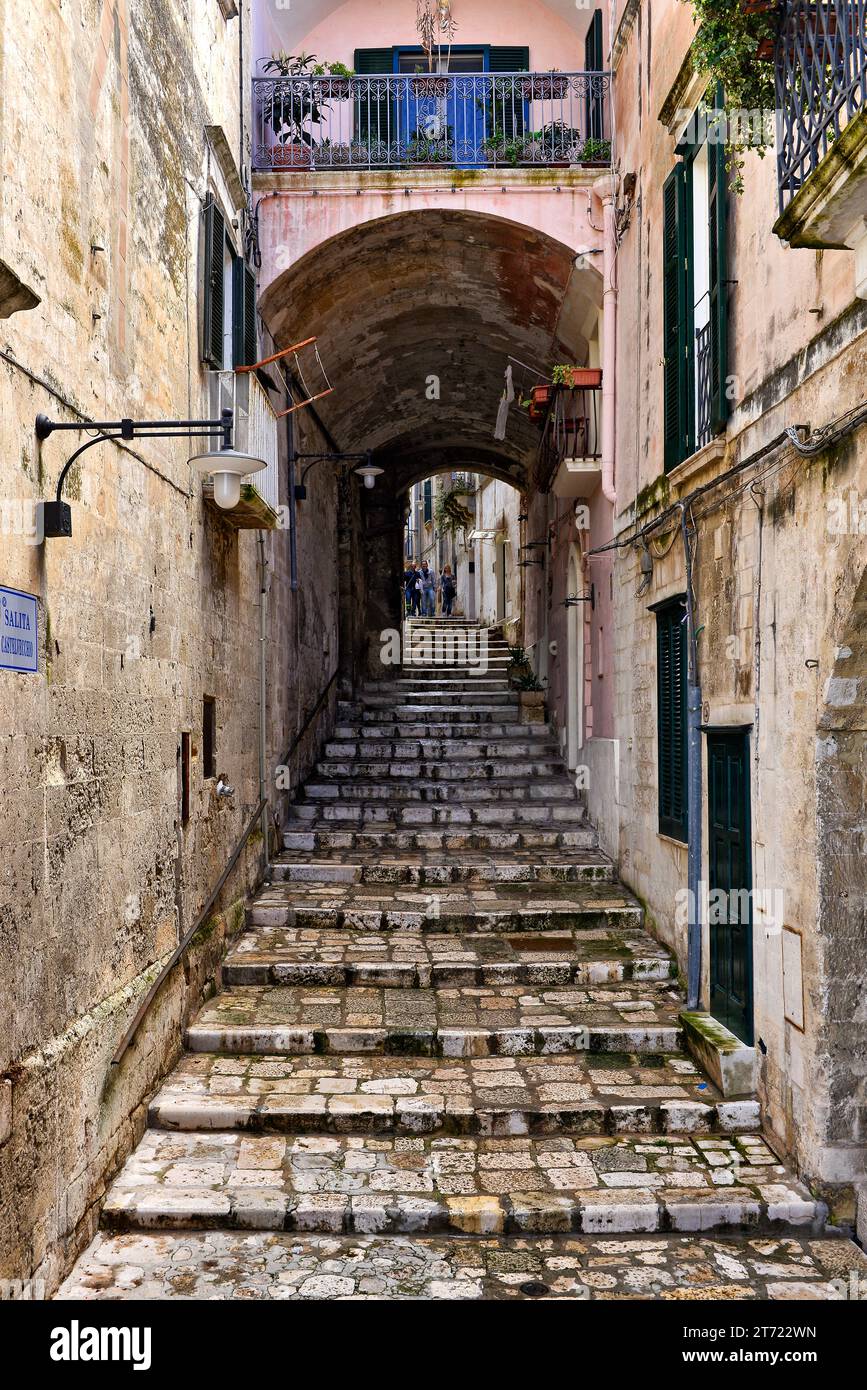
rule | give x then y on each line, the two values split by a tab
450	120
821	78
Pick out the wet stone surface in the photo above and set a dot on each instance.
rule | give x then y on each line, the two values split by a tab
264	1265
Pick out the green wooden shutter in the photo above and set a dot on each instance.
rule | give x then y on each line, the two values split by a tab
719	313
677	427
374	120
507	111
594	61
671	672
428	500
244	334
213	289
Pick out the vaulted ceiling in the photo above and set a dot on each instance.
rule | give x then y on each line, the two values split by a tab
416	317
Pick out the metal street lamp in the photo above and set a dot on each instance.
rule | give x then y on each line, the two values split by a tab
368	471
227	465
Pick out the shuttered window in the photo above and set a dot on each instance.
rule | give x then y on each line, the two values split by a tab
428	500
238	295
684	418
213	286
594	61
244	335
671	676
507	111
678	409
373	115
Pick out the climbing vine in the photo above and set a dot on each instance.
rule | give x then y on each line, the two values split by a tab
726	48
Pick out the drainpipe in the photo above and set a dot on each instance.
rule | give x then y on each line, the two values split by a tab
264	794
293	534
694	783
609	336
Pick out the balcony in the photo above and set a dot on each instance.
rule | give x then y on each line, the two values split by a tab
255	433
450	121
821	80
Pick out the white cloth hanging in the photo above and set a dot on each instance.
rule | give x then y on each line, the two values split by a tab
506	400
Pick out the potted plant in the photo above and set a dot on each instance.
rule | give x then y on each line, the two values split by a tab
596	152
540	399
531	696
590	378
544	86
292	108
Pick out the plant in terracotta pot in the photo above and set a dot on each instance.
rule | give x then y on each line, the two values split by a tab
531	696
590	378
293	109
540	399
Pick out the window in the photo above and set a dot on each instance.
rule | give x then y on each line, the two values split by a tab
229	330
377	121
695	294
209	736
428	500
671	677
229	8
594	61
184	778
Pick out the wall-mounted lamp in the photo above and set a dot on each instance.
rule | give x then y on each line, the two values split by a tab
368	471
226	464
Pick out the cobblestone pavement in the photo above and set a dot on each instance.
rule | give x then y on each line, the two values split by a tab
440	1022
445	1061
575	1092
223	1265
297	955
481	1186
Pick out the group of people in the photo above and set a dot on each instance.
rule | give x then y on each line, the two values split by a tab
420	586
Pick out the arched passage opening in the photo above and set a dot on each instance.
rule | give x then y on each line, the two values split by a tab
418	315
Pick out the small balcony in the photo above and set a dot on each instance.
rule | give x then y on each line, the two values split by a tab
821	80
443	120
256	433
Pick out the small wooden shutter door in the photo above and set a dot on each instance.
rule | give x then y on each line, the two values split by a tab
719	312
677	402
244	335
374	119
507	112
594	61
671	720
213	288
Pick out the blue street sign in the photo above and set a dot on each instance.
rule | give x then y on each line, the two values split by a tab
19	640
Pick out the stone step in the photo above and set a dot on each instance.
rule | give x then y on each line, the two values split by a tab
457	751
325	1183
594	908
461	771
268	1265
280	1020
474	839
370	811
429	715
415	959
402	688
400	788
576	1094
461	700
415	868
445	734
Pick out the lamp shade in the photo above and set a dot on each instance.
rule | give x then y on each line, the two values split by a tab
228	468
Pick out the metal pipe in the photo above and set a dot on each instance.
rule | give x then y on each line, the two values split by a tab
694	784
293	524
264	796
609	347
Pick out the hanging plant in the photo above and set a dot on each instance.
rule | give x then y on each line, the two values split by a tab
729	37
450	513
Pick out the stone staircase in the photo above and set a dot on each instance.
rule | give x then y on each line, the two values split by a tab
446	1058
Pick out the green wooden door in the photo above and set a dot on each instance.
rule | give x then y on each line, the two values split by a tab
730	881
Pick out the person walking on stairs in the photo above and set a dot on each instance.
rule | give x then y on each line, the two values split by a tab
448	589
428	591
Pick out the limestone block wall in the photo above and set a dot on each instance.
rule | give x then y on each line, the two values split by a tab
152	605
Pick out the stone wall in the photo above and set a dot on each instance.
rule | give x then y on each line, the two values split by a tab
151	605
774	582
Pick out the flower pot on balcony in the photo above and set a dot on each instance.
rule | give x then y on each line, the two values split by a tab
290	154
590	378
540	399
543	87
759	6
